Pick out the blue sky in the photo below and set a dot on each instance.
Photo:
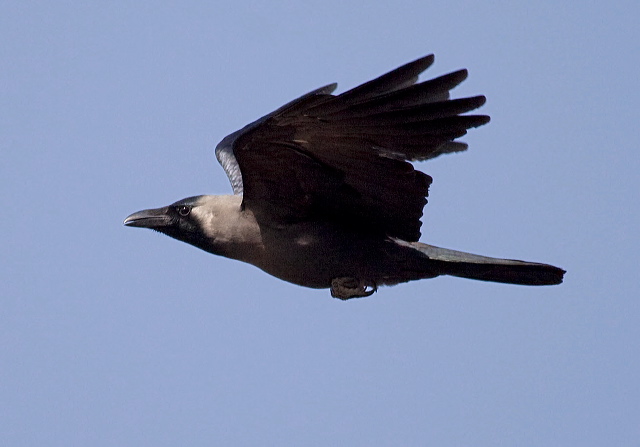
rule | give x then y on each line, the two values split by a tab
116	336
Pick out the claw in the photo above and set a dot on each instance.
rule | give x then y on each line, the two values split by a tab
345	288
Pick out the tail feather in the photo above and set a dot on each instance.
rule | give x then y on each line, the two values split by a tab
483	268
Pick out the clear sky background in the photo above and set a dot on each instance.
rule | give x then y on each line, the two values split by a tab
112	336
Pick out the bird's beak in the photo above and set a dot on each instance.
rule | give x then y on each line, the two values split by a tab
155	219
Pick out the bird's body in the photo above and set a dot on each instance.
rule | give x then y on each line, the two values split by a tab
324	196
313	254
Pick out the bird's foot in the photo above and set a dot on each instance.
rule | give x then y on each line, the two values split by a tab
346	288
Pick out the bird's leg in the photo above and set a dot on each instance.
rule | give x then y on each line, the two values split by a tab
346	288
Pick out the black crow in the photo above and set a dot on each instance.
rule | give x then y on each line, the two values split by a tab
325	195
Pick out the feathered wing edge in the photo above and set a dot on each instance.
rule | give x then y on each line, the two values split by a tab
392	114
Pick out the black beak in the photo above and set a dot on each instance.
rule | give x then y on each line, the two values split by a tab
154	219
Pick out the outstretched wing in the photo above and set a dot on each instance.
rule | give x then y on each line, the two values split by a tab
345	158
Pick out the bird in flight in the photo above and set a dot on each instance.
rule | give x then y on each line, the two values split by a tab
325	196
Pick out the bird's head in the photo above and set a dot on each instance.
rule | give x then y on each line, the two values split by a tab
208	222
182	220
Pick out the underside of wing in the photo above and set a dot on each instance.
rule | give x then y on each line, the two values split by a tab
345	158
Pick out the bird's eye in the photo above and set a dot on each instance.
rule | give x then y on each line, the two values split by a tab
183	210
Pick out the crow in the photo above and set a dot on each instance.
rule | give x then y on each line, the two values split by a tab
325	196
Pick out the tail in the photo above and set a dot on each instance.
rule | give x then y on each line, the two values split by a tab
483	268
